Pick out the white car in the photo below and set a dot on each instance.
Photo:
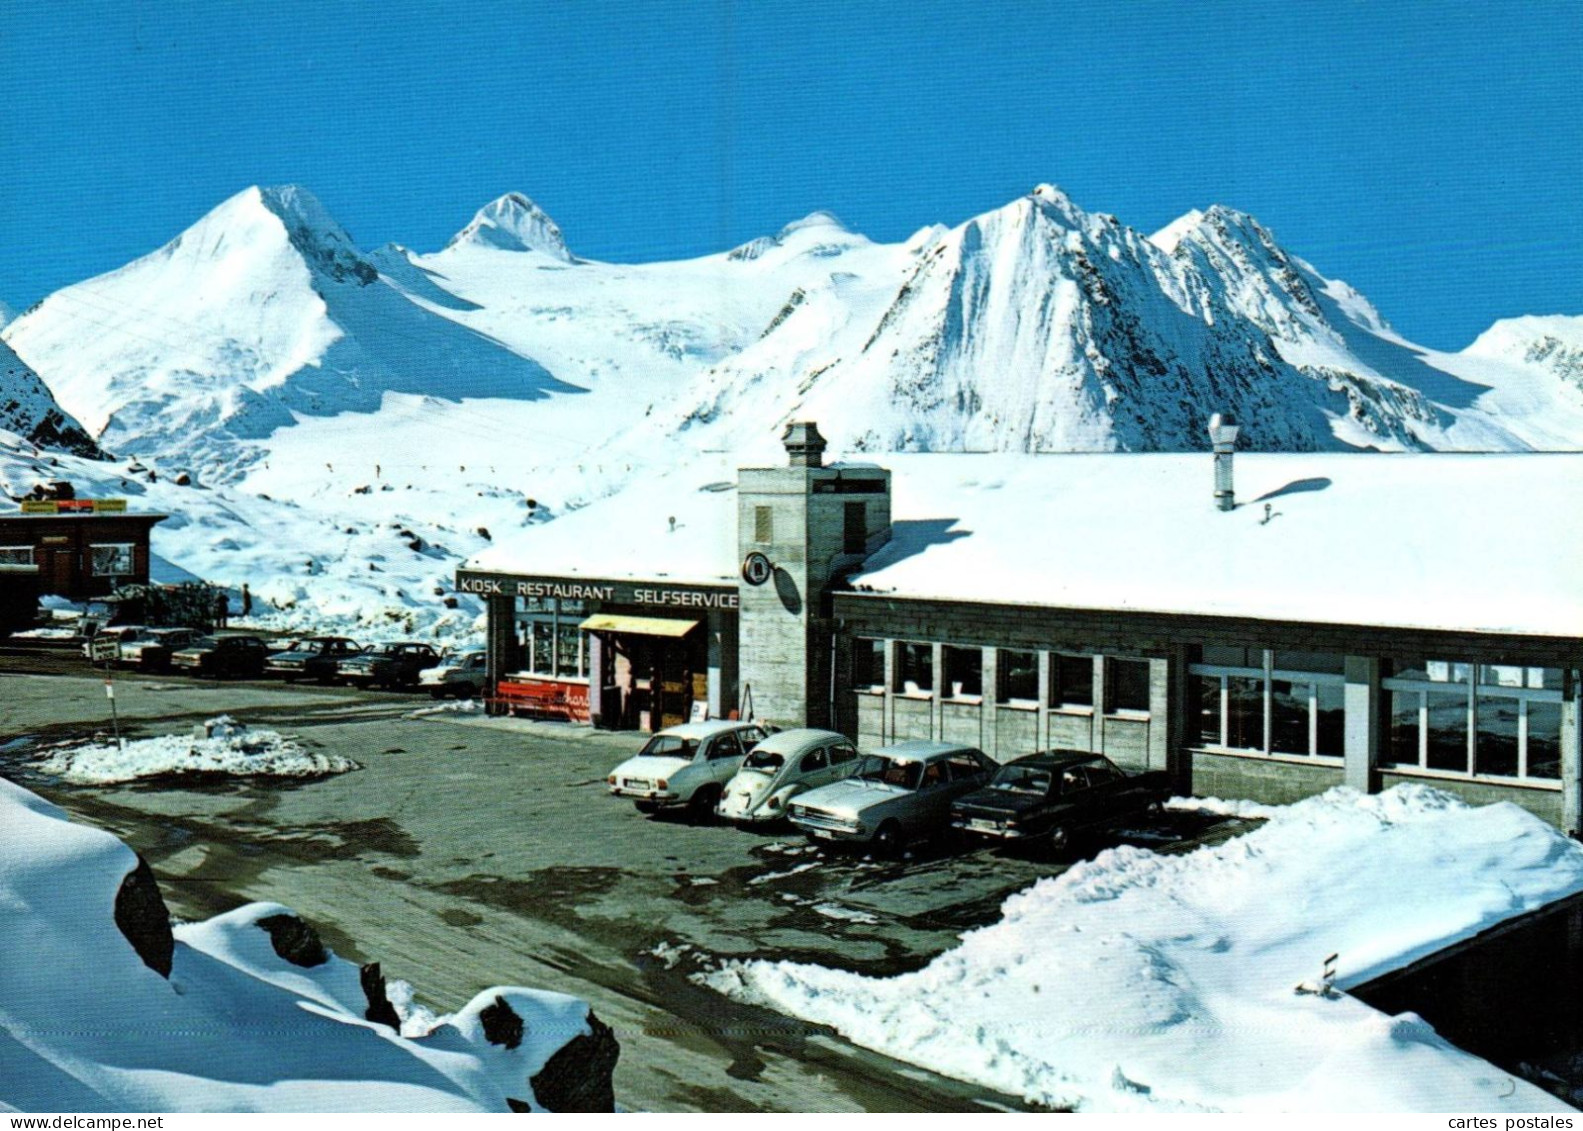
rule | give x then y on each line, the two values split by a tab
783	766
122	634
462	675
685	765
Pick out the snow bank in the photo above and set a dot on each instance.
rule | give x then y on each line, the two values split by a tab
1137	981
86	1025
225	747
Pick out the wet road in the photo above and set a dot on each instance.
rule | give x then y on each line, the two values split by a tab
471	852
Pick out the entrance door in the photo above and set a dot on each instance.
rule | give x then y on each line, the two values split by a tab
57	570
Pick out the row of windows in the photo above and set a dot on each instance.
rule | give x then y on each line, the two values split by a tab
106	560
1069	684
854	527
1489	720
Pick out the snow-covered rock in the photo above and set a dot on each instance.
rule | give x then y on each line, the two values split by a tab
28	409
242	1012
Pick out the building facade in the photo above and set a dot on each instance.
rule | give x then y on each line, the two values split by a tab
1024	604
79	554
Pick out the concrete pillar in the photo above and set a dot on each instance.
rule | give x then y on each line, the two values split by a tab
1160	713
1042	715
1096	741
1179	723
936	710
888	711
596	681
1572	753
990	719
500	639
715	660
1362	701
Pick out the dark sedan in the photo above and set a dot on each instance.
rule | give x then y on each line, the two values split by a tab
240	656
314	657
388	665
1053	795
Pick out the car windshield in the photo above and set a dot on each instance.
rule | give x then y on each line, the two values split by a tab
669	746
1023	779
765	761
903	775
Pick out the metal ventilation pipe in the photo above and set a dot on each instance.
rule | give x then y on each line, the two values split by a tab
1223	435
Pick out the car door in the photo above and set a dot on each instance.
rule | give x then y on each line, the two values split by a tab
843	761
725	757
813	769
1107	789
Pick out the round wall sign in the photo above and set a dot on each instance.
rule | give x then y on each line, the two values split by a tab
757	569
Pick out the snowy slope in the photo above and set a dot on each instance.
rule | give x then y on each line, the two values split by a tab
377	565
1144	982
86	1024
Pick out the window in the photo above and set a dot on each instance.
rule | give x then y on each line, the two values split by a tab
1127	685
111	560
1485	720
964	671
1266	702
868	665
763	525
552	642
842	753
854	530
915	669
813	761
965	766
16	555
1072	681
725	746
1018	675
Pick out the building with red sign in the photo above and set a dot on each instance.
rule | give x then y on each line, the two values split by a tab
76	548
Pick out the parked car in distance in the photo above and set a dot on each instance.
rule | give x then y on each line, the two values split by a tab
313	657
462	675
783	766
898	794
122	634
685	765
387	665
1053	795
152	652
219	656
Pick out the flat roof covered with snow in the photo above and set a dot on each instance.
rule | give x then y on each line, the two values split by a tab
1484	543
631	536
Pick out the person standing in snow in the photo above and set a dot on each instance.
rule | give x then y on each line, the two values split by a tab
222	609
247	601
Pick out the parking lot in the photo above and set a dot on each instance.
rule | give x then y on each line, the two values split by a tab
470	851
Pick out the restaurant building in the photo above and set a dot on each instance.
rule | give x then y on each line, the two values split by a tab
1358	619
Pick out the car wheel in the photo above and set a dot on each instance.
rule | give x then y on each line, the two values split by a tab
1058	839
648	807
436	693
701	808
889	840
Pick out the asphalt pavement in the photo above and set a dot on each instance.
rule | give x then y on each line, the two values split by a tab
470	852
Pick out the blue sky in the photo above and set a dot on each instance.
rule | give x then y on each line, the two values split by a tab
1429	154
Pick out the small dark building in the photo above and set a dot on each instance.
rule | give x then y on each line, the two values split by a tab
79	553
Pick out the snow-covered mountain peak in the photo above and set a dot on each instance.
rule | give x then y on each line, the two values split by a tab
514	223
814	221
1550	343
1169	236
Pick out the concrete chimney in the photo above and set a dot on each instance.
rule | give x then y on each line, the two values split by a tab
804	446
1223	435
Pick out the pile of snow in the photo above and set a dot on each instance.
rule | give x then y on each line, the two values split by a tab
219	746
1137	981
450	707
88	1023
